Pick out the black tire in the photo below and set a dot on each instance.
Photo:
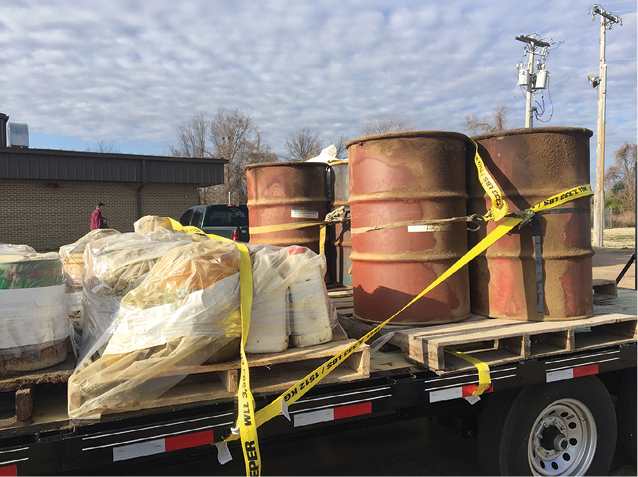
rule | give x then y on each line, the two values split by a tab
626	411
490	426
581	407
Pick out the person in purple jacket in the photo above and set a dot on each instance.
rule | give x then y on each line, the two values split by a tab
97	221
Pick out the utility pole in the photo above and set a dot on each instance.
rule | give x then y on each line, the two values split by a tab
530	79
606	22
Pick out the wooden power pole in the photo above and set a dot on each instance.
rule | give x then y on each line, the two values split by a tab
606	22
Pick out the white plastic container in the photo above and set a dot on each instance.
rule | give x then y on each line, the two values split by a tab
307	310
268	333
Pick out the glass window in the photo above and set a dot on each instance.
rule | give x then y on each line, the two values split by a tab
236	216
197	218
186	217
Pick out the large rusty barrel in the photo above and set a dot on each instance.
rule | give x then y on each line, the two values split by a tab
401	178
283	193
342	236
532	165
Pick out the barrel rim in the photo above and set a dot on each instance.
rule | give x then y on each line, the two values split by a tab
544	130
285	163
406	134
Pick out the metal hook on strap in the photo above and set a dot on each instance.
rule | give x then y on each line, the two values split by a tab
475	220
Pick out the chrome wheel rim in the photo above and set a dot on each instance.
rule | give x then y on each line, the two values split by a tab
563	439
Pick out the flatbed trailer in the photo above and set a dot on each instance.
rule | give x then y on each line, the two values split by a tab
573	367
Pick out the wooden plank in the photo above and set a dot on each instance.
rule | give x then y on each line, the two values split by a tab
390	363
24	404
605	287
230	379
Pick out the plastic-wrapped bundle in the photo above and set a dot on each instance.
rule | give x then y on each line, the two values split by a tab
72	256
150	223
184	312
33	322
116	265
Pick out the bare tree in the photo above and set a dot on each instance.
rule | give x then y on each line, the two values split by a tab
621	177
236	138
231	136
384	124
192	137
474	125
103	146
340	144
303	145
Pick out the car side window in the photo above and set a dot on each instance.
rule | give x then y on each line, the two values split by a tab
185	219
197	218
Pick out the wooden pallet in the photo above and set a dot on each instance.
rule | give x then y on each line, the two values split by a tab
499	341
24	387
275	372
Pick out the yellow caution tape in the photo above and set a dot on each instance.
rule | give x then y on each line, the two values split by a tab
499	206
482	367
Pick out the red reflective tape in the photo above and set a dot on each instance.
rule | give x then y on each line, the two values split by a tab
585	370
9	471
470	388
189	440
353	410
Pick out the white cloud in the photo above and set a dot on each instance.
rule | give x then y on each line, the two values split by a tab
131	72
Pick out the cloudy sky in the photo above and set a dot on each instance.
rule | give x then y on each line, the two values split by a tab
129	72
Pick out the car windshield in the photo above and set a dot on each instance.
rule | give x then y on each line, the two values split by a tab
226	215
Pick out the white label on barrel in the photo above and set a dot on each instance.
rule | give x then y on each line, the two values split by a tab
304	214
429	228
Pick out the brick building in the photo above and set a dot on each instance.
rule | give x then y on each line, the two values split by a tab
47	196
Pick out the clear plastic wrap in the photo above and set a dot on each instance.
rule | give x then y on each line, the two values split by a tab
32	306
115	265
186	311
72	256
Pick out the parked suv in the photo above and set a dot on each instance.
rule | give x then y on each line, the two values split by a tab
230	221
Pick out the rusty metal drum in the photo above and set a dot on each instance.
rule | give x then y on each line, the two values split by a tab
342	236
286	192
406	177
531	165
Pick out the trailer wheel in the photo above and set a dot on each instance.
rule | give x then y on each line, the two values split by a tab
627	416
561	428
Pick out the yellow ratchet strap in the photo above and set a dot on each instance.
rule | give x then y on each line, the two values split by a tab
247	423
245	401
483	370
297	391
266	229
499	206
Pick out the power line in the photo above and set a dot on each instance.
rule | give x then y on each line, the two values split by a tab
578	72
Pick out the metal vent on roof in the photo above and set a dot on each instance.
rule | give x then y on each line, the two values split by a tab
17	135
